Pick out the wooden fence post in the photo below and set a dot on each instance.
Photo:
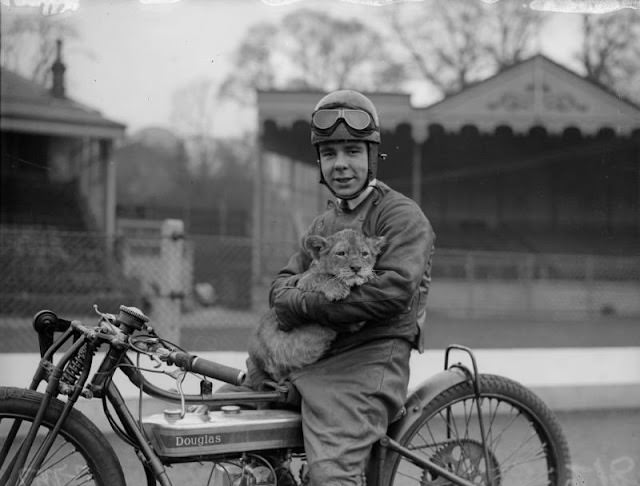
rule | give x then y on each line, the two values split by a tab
167	309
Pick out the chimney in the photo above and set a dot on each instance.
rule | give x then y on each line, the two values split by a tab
58	68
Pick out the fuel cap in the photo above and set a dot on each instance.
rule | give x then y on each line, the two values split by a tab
230	409
172	414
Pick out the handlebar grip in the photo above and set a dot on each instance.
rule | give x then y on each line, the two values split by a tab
211	369
217	371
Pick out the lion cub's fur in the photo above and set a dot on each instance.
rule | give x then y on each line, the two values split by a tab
340	261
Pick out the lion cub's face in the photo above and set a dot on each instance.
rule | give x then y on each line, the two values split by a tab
347	255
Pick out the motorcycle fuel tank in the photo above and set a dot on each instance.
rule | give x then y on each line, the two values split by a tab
222	432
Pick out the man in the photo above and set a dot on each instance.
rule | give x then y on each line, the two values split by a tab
350	396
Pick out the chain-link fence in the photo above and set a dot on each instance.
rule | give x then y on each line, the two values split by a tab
196	283
66	271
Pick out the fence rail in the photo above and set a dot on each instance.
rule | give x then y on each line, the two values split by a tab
480	265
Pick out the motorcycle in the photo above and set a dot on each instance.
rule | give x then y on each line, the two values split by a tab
458	427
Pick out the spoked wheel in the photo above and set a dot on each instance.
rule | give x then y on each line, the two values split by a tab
526	446
80	454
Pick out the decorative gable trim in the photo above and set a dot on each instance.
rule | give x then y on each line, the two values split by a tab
535	92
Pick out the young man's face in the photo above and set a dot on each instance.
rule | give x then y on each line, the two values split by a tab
344	166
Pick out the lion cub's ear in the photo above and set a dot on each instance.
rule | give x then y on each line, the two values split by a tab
376	243
314	244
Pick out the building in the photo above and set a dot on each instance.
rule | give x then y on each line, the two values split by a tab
57	199
533	149
56	157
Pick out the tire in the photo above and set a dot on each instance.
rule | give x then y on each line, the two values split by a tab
79	450
526	444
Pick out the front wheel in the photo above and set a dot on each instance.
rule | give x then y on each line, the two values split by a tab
526	446
80	454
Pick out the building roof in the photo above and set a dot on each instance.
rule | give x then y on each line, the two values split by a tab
537	91
534	92
26	106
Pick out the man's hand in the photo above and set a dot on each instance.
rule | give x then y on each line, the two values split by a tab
290	307
291	281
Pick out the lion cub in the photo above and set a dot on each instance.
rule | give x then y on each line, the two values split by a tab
340	261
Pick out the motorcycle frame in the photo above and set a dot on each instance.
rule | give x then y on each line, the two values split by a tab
102	386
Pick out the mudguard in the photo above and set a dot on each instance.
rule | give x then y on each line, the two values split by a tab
422	395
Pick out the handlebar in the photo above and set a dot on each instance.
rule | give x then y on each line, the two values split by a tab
118	332
232	397
202	366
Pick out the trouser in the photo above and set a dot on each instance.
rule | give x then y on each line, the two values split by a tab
348	401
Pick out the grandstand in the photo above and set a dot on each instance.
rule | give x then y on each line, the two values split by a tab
529	177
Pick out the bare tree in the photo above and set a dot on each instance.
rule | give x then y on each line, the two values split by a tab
331	53
309	49
253	63
192	109
455	43
610	51
192	106
28	42
511	32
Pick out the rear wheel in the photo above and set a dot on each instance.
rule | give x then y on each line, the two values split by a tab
80	454
526	446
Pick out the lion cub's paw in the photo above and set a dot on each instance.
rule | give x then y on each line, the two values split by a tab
334	291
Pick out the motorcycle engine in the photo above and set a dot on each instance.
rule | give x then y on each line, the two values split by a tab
251	470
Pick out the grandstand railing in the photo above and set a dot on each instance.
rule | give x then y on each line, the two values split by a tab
484	265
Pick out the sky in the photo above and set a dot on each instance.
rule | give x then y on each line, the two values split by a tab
132	56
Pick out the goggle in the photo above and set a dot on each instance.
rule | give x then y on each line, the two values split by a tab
324	119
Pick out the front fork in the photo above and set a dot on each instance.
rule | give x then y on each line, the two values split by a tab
18	470
154	470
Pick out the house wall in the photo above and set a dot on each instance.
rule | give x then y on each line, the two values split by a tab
38	180
91	173
56	180
64	163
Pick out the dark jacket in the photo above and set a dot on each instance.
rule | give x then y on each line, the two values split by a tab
389	304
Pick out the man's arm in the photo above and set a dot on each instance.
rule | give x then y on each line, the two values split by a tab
292	311
288	276
399	270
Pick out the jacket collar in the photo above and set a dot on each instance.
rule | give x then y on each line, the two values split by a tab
354	203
